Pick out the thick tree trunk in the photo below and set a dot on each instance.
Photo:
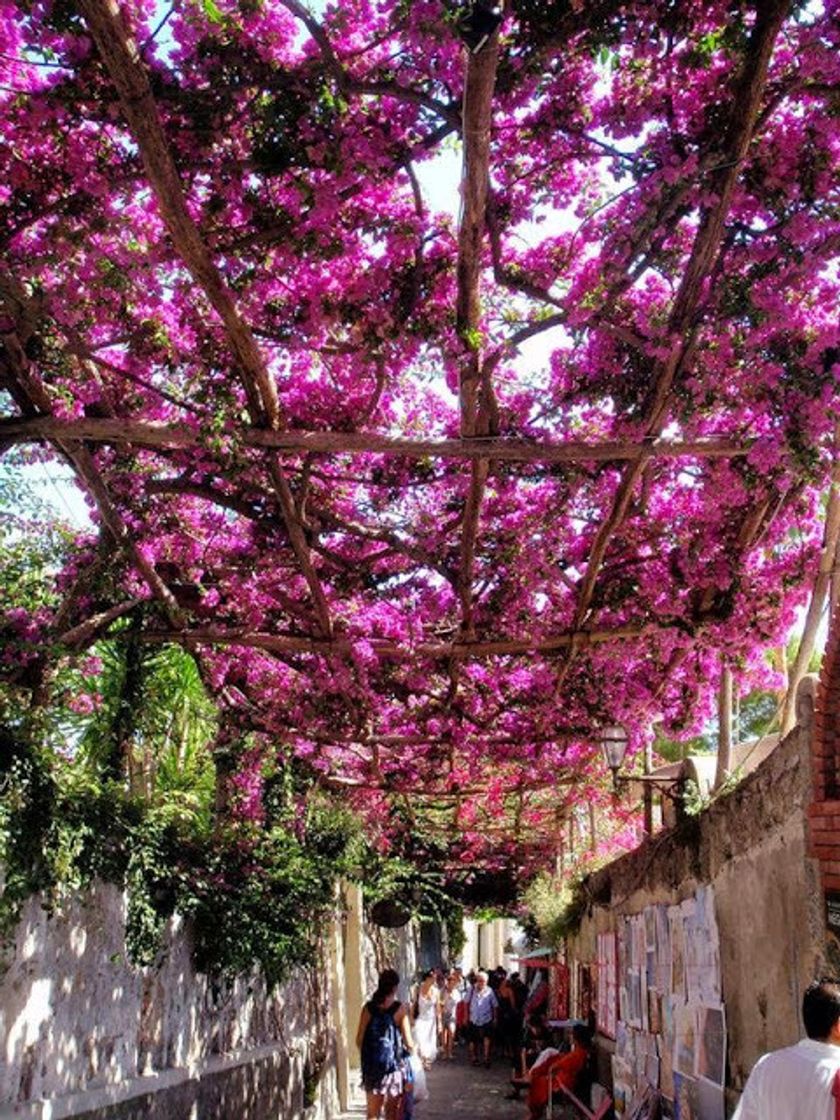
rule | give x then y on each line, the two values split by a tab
724	756
822	586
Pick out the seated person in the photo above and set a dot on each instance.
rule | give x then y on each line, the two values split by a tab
535	1038
553	1069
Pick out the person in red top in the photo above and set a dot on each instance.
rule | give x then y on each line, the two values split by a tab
551	1070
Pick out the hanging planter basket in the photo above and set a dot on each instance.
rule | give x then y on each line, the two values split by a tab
389	913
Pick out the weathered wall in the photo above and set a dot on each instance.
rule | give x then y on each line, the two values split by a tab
390	948
83	1030
751	847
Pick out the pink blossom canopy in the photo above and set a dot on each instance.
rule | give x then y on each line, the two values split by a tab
431	498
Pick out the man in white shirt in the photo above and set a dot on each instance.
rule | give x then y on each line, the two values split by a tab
483	1007
801	1082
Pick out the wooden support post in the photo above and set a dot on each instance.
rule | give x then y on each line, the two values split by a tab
724	756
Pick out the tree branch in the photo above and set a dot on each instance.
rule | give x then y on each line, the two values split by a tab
120	55
745	108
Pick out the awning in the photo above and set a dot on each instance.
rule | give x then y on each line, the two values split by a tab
539	958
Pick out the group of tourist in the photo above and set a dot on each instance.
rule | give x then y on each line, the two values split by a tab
399	1042
486	1010
801	1082
435	1013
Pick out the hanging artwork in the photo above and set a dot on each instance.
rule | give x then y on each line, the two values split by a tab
672	1025
711	1044
607	1006
559	1008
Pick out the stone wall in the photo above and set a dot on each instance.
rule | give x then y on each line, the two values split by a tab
390	948
751	848
83	1033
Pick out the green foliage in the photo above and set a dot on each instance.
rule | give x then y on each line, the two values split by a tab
419	886
213	12
554	908
456	937
254	898
153	707
756	714
256	892
694	800
34	545
123	788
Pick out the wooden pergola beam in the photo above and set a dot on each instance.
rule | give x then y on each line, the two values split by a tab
446	795
418	739
388	649
475	390
156	435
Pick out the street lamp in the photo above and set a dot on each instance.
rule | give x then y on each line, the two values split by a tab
613	742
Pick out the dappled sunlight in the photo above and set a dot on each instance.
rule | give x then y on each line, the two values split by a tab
77	1018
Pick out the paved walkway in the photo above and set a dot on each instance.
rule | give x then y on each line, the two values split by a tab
457	1089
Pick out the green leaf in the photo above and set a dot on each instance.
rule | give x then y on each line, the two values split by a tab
213	12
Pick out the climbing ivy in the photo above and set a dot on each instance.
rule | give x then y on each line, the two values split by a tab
254	897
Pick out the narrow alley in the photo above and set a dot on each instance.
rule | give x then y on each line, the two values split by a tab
458	1089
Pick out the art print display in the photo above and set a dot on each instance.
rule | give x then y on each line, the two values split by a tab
644	1105
623	1082
586	994
650	928
607	993
671	1032
683	1108
634	998
697	1099
711	1045
685	1038
654	1011
677	944
559	992
666	1049
663	950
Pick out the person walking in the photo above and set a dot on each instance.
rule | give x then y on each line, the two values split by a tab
450	1002
510	1018
483	1012
801	1082
385	1041
427	1018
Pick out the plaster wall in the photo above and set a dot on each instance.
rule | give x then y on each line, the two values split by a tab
83	1033
390	948
751	847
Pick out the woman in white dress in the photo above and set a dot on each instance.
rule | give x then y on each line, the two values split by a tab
427	1024
450	999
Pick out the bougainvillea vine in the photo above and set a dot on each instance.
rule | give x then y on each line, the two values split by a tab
428	500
